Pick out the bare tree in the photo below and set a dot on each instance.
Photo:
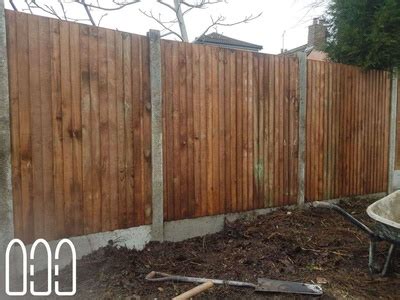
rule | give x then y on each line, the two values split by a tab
58	8
179	9
176	25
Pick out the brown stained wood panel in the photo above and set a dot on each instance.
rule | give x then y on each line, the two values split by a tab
347	131
80	128
230	126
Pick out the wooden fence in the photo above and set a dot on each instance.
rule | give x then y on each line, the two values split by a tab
81	129
348	112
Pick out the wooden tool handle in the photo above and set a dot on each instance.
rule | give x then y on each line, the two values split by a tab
194	291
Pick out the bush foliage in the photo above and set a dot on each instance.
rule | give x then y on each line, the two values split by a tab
364	33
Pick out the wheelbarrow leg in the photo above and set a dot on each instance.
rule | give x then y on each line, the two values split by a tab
388	259
371	260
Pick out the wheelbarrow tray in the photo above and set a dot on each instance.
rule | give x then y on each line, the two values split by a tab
386	213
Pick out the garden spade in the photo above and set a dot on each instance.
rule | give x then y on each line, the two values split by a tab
263	285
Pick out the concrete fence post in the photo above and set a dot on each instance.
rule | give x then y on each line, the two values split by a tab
6	202
392	132
302	126
157	227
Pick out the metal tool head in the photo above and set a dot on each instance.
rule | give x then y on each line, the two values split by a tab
278	286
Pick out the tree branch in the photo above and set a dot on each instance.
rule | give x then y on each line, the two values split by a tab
13	5
220	21
167	5
202	4
120	5
159	21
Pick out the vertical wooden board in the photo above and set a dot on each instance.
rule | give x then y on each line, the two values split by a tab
176	131
285	130
169	120
233	126
165	115
282	130
136	80
12	54
331	124
57	127
204	157
128	118
76	130
228	131
250	132
293	130
183	131
113	128
96	167
244	132
25	127
138	117
271	132
191	206
66	126
308	178
364	145
36	126
86	129
381	123
221	131
104	130
386	128
334	115
357	111
318	150
374	116
215	131
371	132
277	144
246	119
121	131
239	130
325	134
197	187
266	83
386	108
258	105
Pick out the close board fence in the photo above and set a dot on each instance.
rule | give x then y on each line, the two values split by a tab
81	129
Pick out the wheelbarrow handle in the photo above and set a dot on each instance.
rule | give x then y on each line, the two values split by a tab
348	216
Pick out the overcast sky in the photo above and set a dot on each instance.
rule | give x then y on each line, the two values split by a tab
278	16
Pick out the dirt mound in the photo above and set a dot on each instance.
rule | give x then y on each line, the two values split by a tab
312	245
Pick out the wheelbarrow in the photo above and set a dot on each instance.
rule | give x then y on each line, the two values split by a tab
386	214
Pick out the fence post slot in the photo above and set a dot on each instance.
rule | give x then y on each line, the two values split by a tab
392	132
6	201
157	184
302	125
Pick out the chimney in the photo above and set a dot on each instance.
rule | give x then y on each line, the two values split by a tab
317	34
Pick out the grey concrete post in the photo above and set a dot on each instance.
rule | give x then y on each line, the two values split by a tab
302	126
157	228
6	202
392	133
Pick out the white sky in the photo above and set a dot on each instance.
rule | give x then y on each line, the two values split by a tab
292	16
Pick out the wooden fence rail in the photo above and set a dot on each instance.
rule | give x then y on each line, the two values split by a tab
81	129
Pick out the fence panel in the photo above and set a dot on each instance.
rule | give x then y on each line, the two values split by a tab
80	127
347	131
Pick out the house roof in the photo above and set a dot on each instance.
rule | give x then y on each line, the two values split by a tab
305	48
217	39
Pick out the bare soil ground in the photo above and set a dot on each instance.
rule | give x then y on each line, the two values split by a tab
311	245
